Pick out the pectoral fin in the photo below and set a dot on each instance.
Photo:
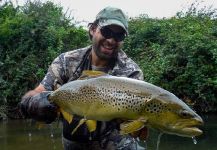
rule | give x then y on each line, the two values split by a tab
130	127
68	117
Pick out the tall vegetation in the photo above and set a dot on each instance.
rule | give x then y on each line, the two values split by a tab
178	54
30	38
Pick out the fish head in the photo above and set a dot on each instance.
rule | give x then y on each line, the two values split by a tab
171	115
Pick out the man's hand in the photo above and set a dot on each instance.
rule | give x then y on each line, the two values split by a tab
38	107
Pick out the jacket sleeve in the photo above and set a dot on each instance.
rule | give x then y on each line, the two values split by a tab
55	75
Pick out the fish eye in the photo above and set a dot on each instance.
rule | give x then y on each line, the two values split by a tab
185	113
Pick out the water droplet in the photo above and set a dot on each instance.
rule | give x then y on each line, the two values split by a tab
194	140
90	137
30	134
30	137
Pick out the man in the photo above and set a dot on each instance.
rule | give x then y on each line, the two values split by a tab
107	33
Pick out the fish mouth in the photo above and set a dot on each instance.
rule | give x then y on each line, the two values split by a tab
189	128
191	131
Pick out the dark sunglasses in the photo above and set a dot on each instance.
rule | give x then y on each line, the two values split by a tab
108	33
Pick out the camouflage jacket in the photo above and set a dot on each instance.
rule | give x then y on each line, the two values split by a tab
69	66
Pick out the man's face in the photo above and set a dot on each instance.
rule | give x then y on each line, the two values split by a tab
107	46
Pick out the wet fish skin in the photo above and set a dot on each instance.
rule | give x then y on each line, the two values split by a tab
105	98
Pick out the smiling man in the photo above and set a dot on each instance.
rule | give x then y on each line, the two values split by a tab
107	34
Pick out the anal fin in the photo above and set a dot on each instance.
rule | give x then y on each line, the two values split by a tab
91	125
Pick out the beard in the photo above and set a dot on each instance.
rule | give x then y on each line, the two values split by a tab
104	56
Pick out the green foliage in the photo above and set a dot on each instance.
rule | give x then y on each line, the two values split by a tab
30	38
179	54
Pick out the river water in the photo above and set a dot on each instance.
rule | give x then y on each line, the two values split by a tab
28	135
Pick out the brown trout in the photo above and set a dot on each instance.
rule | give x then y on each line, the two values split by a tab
106	97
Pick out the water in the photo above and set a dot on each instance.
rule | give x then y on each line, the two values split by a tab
25	135
207	141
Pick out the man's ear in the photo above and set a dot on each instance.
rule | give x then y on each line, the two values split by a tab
92	30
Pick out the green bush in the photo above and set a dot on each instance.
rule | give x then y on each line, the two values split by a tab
179	54
30	38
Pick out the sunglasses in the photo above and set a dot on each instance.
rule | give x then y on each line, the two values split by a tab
108	33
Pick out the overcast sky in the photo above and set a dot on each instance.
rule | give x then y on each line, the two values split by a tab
86	10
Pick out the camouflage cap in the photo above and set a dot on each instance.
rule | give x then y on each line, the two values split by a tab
112	16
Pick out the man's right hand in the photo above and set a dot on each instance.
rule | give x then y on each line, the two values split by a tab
38	107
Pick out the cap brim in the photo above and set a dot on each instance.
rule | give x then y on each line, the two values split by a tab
113	22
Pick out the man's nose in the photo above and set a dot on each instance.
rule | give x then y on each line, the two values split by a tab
112	40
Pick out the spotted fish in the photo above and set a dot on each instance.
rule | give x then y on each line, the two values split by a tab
138	103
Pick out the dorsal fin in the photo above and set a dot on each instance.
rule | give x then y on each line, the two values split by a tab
87	74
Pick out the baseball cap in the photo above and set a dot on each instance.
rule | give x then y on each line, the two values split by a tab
112	16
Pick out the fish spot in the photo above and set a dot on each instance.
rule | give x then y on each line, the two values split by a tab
169	109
